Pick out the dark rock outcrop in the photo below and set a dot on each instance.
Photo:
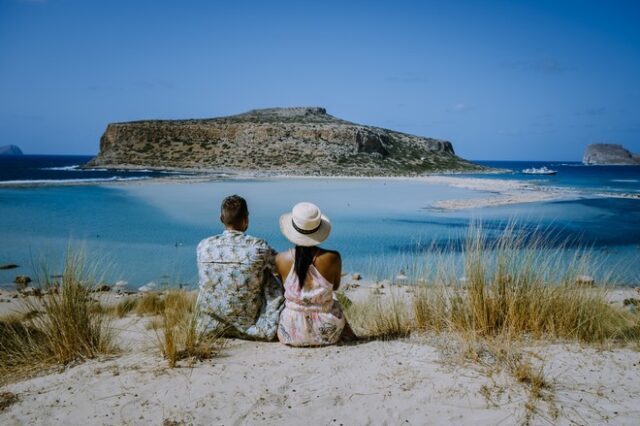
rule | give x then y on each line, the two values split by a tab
373	143
609	154
303	141
10	150
8	266
22	282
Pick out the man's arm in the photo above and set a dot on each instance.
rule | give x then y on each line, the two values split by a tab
272	298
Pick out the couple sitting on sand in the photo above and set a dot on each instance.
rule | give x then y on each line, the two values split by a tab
242	279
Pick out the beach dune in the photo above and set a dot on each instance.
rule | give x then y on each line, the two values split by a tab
427	378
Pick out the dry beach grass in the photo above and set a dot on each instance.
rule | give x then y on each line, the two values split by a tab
514	287
58	329
177	333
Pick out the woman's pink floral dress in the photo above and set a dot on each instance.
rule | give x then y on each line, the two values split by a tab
311	317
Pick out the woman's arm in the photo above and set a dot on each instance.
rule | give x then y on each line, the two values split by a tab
283	265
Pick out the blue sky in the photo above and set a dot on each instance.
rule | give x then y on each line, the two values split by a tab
503	80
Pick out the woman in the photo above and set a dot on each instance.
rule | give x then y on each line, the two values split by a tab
311	317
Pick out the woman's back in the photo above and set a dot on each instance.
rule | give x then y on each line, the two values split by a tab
315	294
327	263
311	317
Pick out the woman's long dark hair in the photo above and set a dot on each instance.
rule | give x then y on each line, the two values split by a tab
303	259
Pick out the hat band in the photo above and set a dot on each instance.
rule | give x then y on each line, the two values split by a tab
305	231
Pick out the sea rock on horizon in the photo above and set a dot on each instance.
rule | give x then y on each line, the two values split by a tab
609	154
300	141
9	150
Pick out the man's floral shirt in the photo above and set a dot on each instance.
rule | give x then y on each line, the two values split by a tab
239	295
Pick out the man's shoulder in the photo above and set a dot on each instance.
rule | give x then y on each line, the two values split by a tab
234	239
259	242
210	240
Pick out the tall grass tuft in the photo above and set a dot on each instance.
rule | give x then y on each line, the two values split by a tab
177	333
151	303
377	318
519	285
67	328
124	307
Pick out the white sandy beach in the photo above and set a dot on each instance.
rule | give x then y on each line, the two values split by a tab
415	381
378	383
502	192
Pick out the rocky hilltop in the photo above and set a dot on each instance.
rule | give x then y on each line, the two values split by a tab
609	154
10	150
300	141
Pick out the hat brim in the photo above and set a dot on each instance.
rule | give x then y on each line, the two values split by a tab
305	240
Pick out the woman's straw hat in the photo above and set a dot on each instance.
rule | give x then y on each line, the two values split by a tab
305	225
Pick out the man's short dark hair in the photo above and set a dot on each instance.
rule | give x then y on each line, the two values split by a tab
233	210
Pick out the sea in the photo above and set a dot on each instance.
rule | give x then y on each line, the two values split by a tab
134	227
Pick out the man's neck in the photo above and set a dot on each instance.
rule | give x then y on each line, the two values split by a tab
232	229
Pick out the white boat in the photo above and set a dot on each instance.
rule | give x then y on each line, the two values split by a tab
541	171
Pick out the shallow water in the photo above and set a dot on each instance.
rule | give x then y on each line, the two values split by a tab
144	232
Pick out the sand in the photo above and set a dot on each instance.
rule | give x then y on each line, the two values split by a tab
413	381
501	192
378	383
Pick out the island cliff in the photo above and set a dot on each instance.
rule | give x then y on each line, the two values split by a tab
295	141
609	154
10	150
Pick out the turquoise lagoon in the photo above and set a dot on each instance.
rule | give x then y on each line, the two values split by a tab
148	231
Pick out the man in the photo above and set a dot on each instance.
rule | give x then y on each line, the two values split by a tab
239	295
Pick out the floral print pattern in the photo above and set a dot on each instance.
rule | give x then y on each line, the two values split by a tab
238	293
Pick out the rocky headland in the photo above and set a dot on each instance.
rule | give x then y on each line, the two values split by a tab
10	150
609	154
289	141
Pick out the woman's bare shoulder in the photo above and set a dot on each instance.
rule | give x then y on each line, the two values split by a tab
329	256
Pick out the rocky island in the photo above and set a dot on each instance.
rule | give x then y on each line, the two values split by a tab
290	141
609	154
10	150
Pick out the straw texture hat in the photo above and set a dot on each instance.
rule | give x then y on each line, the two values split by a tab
305	225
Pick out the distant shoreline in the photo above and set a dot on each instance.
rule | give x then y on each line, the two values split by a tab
190	175
492	191
499	192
